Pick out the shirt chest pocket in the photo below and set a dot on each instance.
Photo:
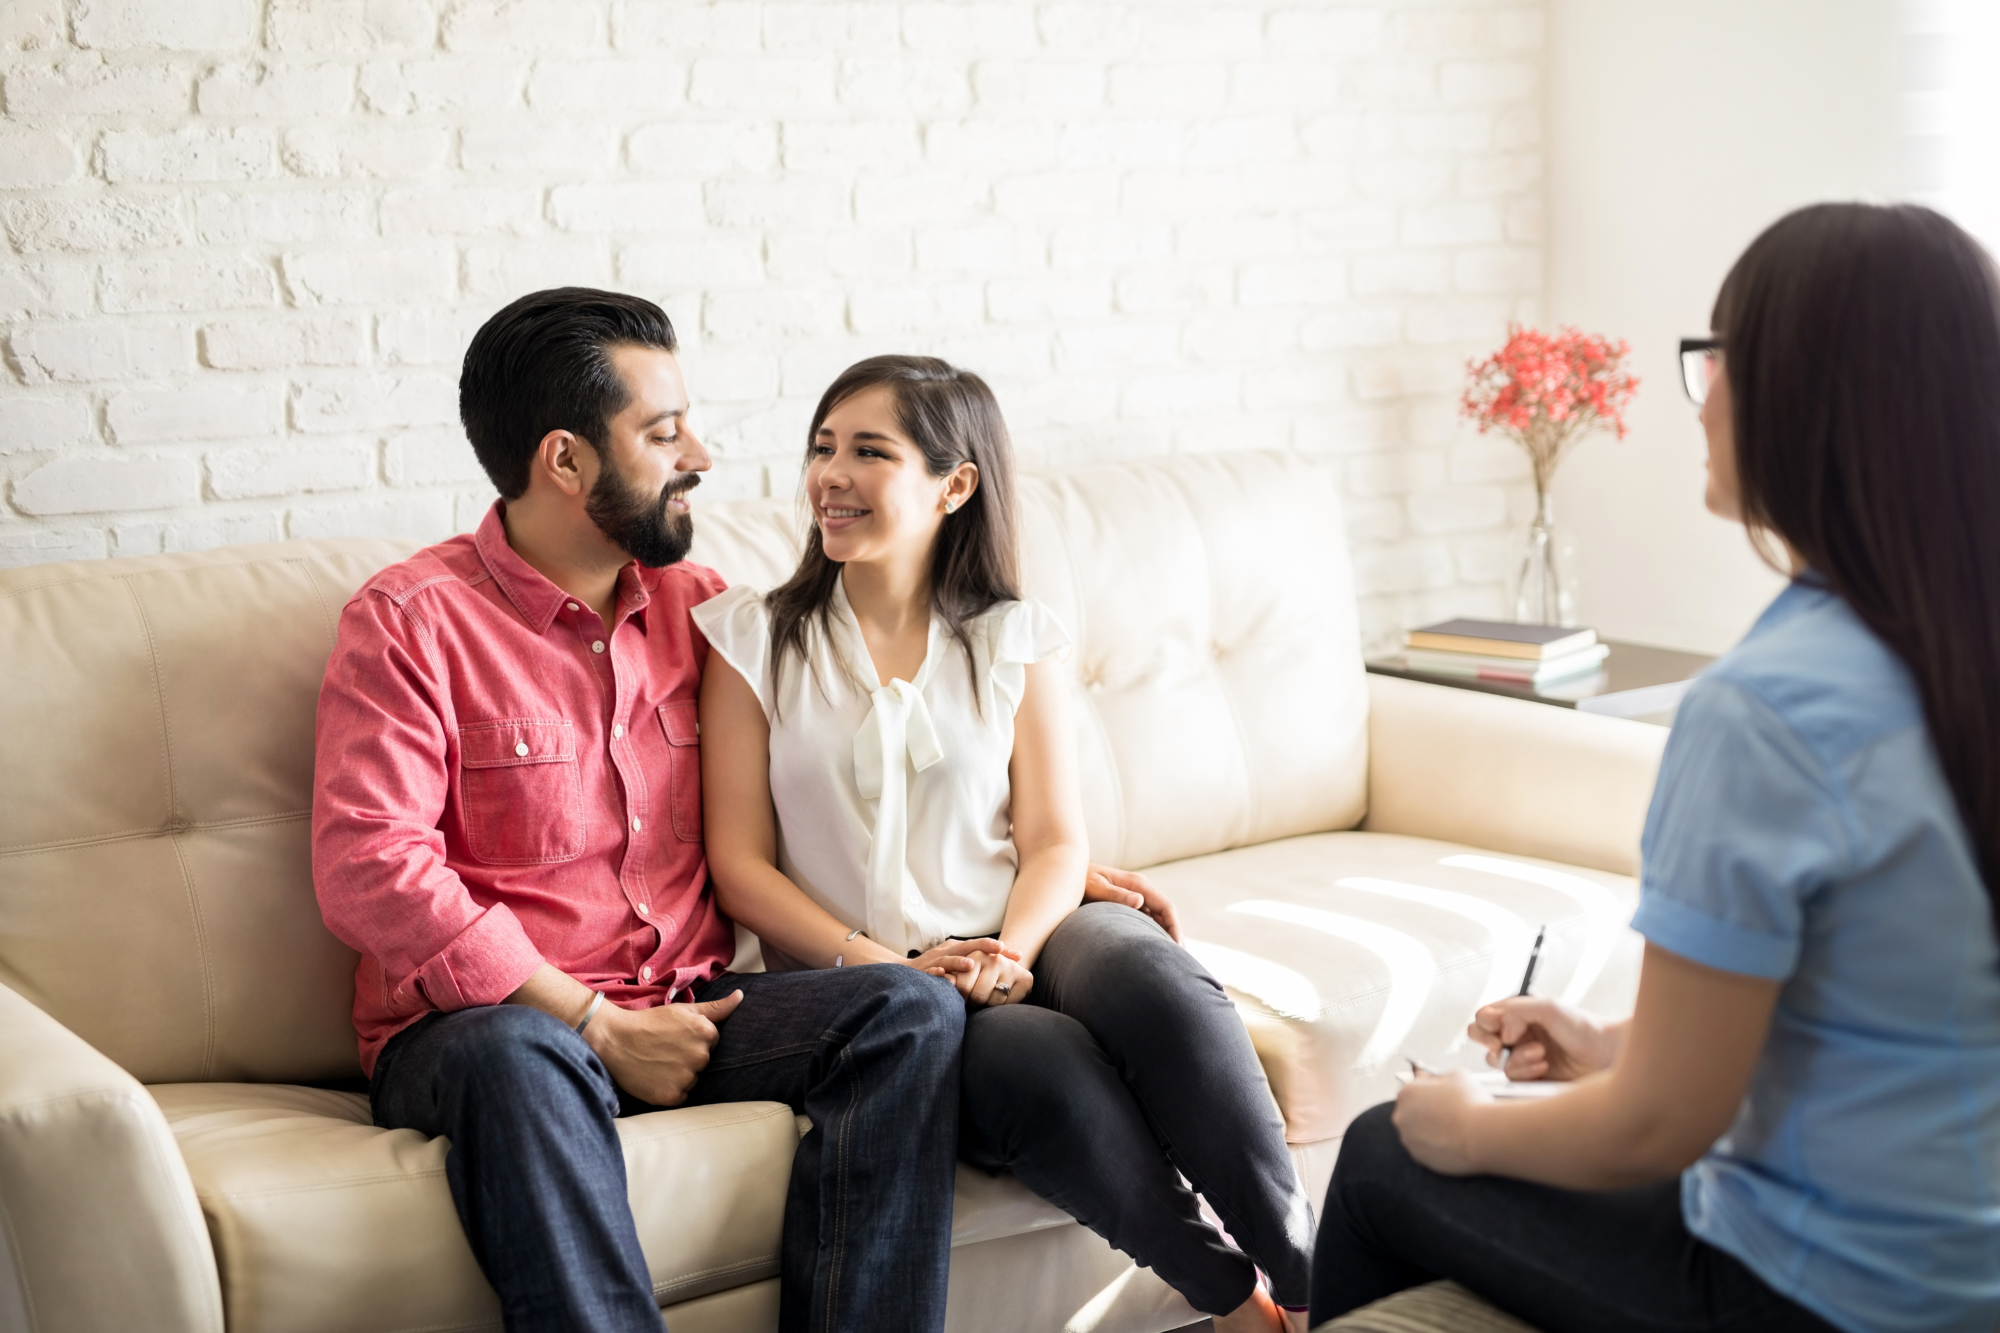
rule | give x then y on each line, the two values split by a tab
683	732
520	791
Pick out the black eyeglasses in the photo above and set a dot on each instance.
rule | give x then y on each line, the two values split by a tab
1698	358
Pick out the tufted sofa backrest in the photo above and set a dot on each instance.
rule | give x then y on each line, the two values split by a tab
157	714
1224	700
155	880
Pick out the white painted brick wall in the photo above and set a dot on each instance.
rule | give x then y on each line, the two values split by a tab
246	240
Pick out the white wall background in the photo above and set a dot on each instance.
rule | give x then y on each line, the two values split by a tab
247	239
1676	133
1947	55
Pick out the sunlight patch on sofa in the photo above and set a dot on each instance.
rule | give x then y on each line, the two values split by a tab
1511	935
1286	993
1411	966
1093	1312
1603	908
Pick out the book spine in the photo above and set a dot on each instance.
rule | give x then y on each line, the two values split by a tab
1504	669
1446	643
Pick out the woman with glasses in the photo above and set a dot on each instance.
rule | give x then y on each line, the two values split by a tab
1799	1125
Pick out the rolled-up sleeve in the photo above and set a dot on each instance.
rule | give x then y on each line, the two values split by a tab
1746	823
380	782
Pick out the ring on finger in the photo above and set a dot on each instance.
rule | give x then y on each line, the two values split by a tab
1004	988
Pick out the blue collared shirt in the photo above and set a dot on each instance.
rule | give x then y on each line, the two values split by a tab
1802	831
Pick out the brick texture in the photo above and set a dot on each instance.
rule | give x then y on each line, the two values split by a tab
246	240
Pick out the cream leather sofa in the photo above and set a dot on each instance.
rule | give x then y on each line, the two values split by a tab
1361	860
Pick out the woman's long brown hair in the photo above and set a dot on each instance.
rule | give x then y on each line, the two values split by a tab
952	417
1862	346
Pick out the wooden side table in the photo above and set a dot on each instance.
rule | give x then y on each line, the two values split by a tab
1638	682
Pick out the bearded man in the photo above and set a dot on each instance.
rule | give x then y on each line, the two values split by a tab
507	828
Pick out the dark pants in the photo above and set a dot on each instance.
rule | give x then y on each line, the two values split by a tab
1126	1070
870	1054
1561	1259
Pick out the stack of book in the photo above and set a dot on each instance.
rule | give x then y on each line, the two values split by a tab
1500	650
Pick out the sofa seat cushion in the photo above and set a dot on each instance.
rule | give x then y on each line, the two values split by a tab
986	1206
1346	951
321	1221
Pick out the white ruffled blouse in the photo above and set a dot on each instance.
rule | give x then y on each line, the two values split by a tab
893	801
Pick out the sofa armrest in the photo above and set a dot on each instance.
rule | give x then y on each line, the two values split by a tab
99	1225
1509	775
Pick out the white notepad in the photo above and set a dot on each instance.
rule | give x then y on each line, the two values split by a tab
1499	1087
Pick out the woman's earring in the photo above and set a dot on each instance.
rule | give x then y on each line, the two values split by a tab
950	505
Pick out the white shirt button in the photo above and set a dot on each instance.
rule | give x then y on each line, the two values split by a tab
644	910
645	974
635	823
617	730
597	645
573	606
521	748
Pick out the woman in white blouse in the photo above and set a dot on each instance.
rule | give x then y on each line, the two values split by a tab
890	779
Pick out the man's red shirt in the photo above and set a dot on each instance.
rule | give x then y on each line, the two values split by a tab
501	781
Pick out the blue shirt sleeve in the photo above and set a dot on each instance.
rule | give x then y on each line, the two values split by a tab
1746	824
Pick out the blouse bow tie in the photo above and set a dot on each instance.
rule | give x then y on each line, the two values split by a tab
898	726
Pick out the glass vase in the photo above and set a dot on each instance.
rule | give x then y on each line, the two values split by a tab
1545	579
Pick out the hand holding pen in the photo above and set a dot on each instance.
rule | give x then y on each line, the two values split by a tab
1532	1037
1418	1069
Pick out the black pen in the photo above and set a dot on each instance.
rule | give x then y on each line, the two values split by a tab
1527	980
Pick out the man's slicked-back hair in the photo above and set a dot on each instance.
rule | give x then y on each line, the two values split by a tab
542	364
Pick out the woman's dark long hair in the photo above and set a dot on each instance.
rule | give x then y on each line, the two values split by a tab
1862	346
952	417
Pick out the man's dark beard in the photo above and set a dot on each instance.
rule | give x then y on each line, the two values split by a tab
644	529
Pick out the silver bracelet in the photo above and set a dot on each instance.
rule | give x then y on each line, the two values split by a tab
852	933
590	1013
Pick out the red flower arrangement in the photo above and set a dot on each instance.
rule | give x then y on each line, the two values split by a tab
1547	392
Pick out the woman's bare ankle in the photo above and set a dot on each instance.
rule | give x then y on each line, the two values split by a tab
1256	1315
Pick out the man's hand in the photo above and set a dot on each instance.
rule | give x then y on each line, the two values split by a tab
655	1054
1102	884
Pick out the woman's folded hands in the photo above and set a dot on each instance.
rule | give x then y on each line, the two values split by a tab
985	971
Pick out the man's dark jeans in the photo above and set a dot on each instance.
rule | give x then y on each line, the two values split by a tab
870	1054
